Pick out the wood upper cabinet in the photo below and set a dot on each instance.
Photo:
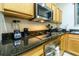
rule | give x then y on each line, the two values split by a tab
54	12
57	14
49	5
60	16
20	8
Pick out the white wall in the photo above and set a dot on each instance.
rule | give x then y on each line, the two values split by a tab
67	15
2	25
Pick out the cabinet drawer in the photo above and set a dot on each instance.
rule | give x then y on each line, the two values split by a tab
38	51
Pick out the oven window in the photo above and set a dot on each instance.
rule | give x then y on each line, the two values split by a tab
50	49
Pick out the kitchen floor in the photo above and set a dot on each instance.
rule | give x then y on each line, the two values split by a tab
58	52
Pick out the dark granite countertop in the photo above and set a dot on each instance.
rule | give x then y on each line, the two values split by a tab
73	31
68	32
10	50
54	35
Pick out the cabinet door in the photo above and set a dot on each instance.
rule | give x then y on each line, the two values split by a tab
54	12
64	41
26	8
58	16
38	51
49	5
73	46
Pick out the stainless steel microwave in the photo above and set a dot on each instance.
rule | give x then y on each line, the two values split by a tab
42	12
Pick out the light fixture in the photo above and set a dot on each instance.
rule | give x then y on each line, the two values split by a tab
41	21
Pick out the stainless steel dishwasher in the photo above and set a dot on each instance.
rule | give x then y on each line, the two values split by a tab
49	49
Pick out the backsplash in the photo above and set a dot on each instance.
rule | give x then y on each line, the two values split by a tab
7	26
32	26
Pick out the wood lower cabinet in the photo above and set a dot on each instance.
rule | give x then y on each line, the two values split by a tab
63	42
70	43
73	46
19	9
